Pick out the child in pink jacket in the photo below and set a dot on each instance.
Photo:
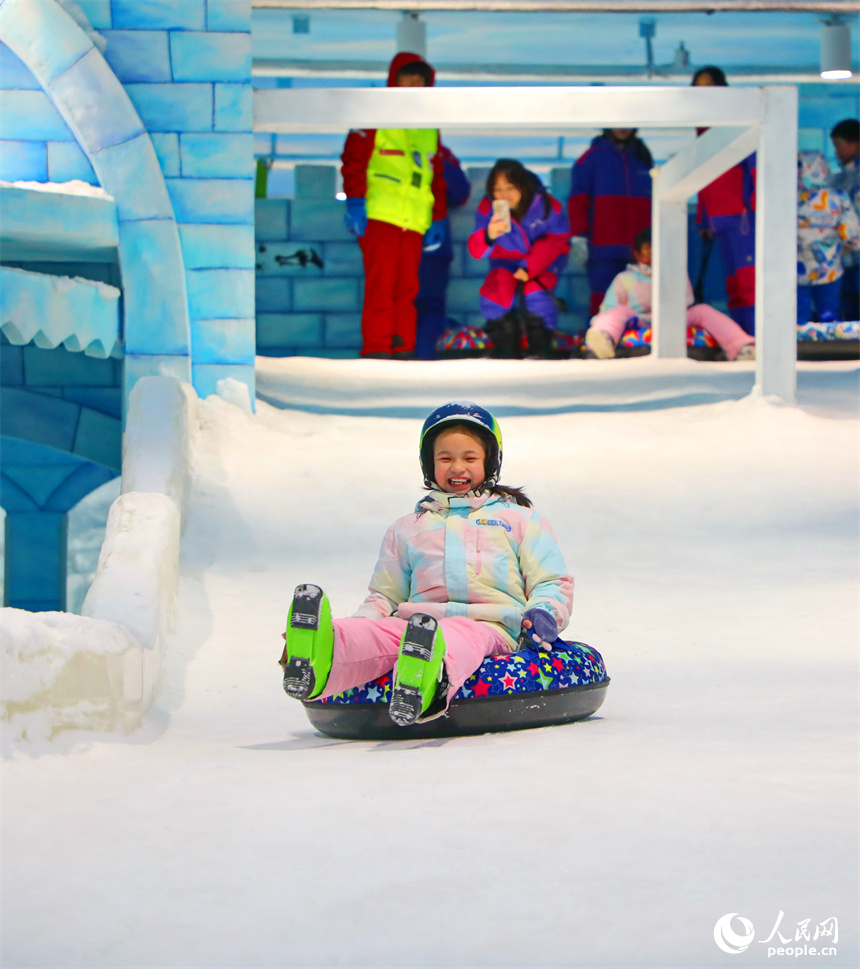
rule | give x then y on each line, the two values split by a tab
474	571
629	297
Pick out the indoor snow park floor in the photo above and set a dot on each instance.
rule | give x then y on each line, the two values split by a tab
714	540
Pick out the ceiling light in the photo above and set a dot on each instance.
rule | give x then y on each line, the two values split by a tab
835	50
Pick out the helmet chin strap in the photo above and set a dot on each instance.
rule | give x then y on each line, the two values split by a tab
484	487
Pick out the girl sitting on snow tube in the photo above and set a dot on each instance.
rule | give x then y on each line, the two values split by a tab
628	301
473	572
527	249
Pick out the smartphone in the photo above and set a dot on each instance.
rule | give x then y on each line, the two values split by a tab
502	210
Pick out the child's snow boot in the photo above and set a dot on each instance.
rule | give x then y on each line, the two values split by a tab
600	343
309	643
420	685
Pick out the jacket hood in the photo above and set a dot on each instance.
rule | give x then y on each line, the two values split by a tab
440	500
813	172
401	60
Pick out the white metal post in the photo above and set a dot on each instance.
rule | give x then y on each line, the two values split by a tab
683	175
668	301
776	246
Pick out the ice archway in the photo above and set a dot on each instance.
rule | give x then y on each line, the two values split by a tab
98	110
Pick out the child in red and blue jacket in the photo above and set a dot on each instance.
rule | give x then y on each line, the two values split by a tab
610	202
531	253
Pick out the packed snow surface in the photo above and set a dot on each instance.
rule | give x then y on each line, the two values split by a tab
713	537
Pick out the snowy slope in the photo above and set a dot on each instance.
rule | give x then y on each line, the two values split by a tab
713	537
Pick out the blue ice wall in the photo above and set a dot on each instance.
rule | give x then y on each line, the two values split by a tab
312	310
186	65
36	144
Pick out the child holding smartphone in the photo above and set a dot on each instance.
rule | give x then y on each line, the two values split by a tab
525	234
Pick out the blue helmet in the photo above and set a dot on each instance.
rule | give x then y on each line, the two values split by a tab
462	412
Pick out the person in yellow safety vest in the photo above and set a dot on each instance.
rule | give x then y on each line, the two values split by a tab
395	205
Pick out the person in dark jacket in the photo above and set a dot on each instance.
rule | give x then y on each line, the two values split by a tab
726	213
609	203
435	268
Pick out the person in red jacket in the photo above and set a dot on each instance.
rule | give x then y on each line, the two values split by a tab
395	204
726	213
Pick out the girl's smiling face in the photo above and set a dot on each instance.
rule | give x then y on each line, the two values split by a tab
458	462
503	189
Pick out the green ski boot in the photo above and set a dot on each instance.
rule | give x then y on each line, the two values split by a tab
309	643
420	684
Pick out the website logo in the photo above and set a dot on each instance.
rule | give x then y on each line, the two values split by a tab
729	940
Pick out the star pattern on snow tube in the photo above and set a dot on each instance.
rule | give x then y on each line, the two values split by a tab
636	337
568	664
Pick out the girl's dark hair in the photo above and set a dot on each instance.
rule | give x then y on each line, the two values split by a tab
642	236
516	494
640	149
526	183
715	73
847	129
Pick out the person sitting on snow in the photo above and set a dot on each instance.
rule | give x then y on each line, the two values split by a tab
474	571
826	223
629	298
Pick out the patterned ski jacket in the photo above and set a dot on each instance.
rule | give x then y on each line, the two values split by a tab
539	244
632	288
826	222
483	557
610	198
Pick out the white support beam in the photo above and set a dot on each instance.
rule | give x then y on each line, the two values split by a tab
669	296
697	165
337	110
762	119
776	246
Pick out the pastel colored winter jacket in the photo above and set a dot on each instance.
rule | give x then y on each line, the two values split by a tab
826	222
397	170
633	288
483	557
539	244
610	197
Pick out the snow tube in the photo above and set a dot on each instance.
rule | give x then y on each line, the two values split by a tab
529	688
472	341
828	341
701	345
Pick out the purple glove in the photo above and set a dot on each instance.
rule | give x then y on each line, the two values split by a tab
355	216
543	629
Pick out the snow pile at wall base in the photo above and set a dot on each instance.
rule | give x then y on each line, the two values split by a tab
62	671
98	671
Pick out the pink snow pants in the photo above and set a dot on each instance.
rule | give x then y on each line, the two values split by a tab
364	649
722	328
